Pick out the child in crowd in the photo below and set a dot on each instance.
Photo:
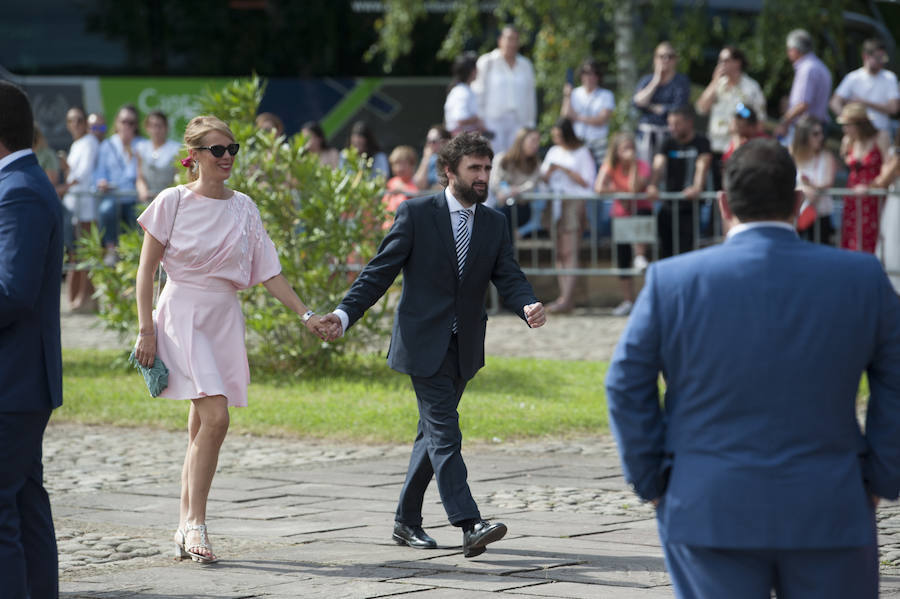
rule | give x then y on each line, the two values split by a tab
403	164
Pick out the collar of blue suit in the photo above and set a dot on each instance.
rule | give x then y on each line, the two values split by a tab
10	158
742	227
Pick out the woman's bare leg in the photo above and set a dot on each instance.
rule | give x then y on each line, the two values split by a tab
202	458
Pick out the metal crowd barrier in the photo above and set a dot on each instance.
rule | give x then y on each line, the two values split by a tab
537	248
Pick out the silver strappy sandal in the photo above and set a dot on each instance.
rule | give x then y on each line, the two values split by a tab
202	544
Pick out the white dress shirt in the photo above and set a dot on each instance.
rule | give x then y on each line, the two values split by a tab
502	89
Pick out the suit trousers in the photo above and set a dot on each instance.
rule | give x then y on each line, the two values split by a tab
437	450
712	573
28	557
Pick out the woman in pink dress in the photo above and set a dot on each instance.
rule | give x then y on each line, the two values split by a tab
212	243
859	225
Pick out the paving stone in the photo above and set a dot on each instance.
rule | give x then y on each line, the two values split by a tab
469	581
571	590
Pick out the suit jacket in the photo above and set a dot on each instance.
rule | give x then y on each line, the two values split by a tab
420	243
30	273
761	341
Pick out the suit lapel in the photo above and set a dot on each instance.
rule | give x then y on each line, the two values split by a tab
441	216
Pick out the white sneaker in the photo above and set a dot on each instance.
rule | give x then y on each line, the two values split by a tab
640	262
623	309
110	258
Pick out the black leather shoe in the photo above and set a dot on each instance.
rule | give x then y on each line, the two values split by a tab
414	536
484	532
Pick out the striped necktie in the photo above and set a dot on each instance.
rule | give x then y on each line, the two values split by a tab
462	239
462	248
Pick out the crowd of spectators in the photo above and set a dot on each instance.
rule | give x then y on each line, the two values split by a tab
101	177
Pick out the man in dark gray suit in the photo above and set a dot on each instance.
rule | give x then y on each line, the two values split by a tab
31	368
449	248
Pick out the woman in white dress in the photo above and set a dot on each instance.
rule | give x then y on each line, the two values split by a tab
212	243
888	249
569	170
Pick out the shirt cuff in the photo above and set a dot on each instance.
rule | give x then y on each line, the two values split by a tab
345	320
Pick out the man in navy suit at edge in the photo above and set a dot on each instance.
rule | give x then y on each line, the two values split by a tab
755	461
31	368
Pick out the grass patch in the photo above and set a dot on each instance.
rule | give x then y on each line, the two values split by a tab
363	400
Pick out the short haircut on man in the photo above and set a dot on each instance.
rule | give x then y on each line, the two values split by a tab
873	45
800	40
16	118
470	143
760	178
685	110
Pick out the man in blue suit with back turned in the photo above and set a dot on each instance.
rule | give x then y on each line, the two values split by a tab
755	460
31	364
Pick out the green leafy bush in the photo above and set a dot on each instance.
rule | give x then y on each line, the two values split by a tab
317	217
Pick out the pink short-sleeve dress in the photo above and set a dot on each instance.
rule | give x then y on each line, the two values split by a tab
217	247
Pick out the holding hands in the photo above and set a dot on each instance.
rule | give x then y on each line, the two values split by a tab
323	326
330	327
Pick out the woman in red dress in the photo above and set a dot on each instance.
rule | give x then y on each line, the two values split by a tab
859	225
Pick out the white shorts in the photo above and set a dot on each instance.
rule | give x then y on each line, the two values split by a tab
82	205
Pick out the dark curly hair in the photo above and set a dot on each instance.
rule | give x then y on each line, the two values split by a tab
469	143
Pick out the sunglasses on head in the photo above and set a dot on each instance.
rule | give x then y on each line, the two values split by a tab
219	151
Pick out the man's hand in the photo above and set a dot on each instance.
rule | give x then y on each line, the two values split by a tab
534	313
314	324
331	326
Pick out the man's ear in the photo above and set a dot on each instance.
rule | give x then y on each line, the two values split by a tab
798	203
449	174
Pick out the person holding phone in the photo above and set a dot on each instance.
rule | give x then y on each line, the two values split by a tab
589	107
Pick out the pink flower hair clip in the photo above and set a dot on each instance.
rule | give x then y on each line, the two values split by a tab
186	162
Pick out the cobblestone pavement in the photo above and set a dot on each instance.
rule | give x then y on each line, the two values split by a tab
293	518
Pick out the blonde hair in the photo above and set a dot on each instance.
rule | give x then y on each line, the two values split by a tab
407	153
196	130
515	158
612	154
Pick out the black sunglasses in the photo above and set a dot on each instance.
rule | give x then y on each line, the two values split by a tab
219	151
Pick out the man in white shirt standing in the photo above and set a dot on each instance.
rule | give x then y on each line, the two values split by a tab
873	86
507	99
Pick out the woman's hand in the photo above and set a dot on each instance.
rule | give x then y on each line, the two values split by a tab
145	351
318	327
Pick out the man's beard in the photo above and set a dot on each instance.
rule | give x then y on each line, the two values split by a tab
469	193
